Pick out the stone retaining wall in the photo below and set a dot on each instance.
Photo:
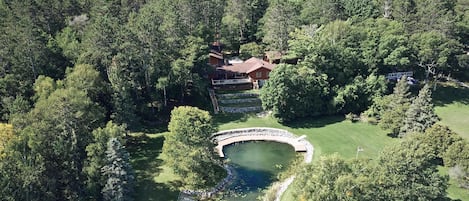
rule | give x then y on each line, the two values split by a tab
250	131
244	100
222	135
259	131
219	187
240	109
237	95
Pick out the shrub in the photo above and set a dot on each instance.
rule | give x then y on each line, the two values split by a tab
352	117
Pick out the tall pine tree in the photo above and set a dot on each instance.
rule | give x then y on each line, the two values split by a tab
392	116
420	115
119	173
96	157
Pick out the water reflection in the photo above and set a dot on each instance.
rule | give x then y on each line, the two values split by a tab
256	165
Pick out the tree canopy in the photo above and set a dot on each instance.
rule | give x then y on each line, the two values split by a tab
69	66
402	172
188	148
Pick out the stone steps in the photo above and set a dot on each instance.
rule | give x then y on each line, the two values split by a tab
239	102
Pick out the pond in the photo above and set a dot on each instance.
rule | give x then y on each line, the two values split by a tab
256	165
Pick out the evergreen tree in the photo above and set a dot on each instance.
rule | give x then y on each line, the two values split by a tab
119	173
124	109
280	19
96	157
240	21
392	115
420	115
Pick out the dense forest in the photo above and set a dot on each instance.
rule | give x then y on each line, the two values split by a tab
141	48
75	75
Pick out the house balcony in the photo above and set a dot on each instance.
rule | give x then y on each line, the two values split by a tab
231	81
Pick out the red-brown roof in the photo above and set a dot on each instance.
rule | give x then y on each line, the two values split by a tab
248	66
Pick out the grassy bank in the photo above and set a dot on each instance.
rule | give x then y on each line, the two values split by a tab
154	180
452	106
454	192
327	134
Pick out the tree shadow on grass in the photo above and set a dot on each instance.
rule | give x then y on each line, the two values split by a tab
447	199
450	94
224	118
157	127
144	152
391	134
314	122
149	190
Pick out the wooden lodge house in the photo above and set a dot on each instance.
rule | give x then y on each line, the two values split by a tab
251	73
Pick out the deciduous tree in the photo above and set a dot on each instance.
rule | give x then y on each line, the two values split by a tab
358	95
320	181
457	157
406	172
310	98
6	135
435	53
188	148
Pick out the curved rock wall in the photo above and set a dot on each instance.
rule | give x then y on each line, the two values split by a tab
256	131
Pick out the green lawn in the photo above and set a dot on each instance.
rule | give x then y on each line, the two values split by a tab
327	134
454	192
155	182
452	106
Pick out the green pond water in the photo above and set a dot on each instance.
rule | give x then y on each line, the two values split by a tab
256	165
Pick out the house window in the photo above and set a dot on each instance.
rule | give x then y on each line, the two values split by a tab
259	74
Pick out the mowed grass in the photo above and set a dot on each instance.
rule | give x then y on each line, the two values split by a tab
452	106
155	181
328	135
454	191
